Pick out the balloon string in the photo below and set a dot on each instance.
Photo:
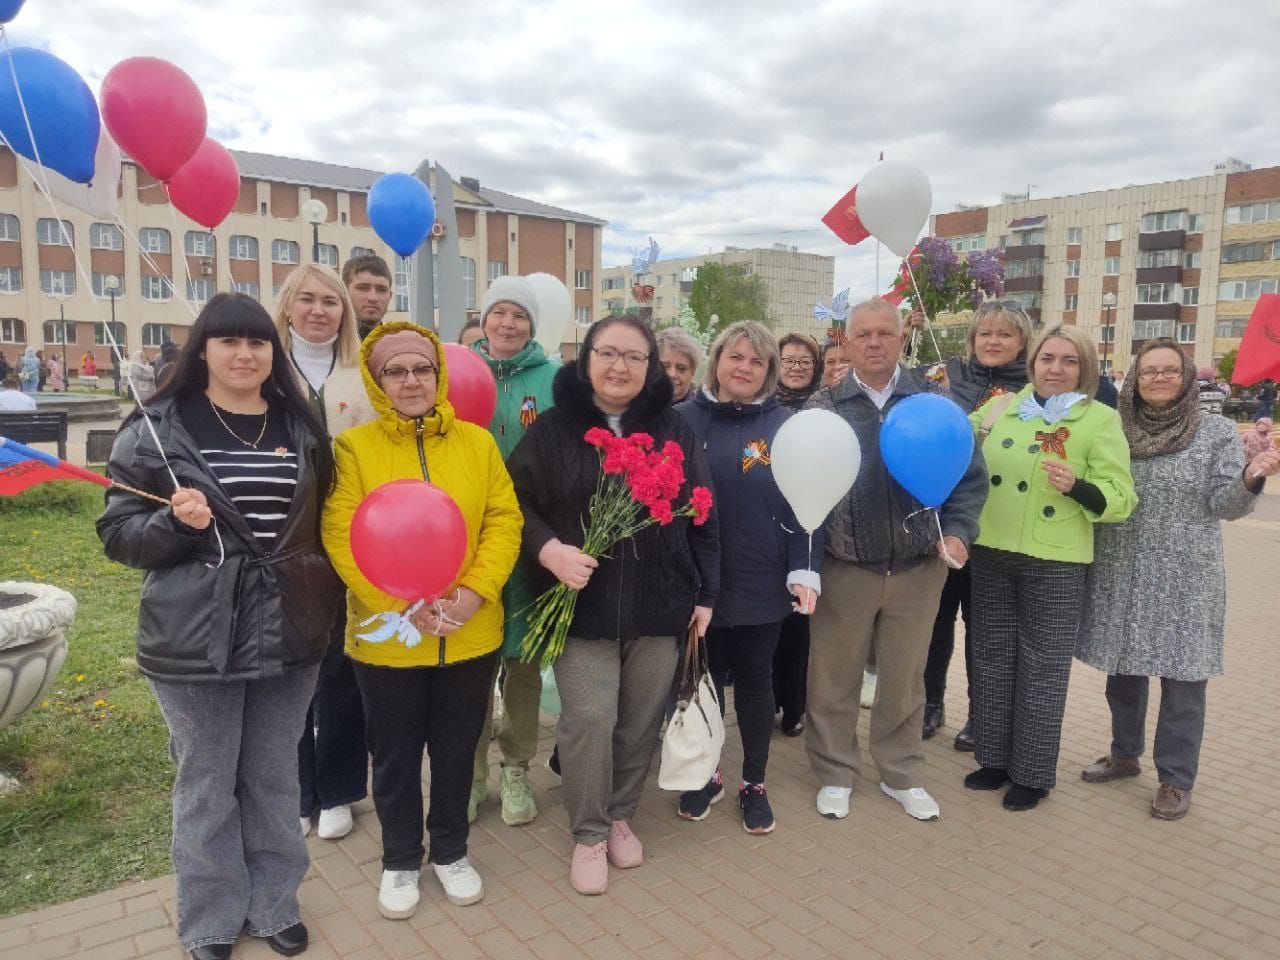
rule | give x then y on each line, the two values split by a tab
137	242
928	321
942	540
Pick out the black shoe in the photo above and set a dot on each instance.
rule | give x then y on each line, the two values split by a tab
793	729
757	815
964	739
212	951
290	941
986	778
553	761
696	804
1018	797
935	715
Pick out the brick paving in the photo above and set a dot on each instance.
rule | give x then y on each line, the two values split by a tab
1088	874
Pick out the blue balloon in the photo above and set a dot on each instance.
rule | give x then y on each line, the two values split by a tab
9	9
927	443
63	113
402	211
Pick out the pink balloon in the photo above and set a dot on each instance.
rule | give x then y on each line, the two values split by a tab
472	389
208	185
155	113
409	539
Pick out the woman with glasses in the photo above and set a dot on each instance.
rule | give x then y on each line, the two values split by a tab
1141	620
634	606
426	684
994	364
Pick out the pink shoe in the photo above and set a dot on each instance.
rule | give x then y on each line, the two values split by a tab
589	871
624	846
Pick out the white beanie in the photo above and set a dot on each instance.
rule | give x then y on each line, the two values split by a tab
515	290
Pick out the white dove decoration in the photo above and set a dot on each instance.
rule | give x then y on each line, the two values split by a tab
839	310
641	263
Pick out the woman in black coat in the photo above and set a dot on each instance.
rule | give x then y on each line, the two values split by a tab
237	603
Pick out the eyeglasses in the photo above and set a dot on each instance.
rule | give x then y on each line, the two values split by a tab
1007	306
609	356
398	375
1168	373
789	363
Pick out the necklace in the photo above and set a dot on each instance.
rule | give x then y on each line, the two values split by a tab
261	433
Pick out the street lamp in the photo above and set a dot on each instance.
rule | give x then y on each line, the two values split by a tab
315	213
112	283
1108	301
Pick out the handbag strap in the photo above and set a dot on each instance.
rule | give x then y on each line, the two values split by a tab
693	664
995	407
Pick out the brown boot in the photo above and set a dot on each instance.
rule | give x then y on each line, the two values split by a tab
1108	768
1171	803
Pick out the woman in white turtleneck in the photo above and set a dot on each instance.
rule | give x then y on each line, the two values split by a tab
317	328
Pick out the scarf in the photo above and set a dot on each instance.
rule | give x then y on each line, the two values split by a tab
1052	410
794	399
1151	432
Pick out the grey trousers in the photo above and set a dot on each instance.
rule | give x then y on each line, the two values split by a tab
237	849
1179	729
612	696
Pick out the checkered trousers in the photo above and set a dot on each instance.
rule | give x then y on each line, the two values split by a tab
1026	613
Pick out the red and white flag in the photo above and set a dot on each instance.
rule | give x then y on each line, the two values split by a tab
1259	354
843	220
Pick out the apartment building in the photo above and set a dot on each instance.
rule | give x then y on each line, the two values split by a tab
1185	259
160	268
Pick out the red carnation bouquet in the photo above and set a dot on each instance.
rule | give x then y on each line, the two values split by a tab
635	490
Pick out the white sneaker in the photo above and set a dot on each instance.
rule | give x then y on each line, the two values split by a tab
868	690
305	824
335	822
460	881
915	801
833	802
398	894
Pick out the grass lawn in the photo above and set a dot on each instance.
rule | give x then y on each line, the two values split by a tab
93	811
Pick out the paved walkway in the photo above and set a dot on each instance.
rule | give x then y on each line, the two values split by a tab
1089	874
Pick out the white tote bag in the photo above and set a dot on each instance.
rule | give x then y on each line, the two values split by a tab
695	733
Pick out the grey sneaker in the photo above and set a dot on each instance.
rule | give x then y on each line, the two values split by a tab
517	797
1108	768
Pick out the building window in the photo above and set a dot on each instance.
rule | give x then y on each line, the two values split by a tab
1195	223
404	277
1111	267
58	283
1150	329
59	332
1165	220
264	209
1073	268
12	330
1253	212
1246	289
10	228
244	248
1190	296
105	236
155	334
1158	293
583	316
1186	333
198	243
1247	252
582	280
342	218
1027	238
497	268
1027	299
10	279
154	240
1107	333
614	283
199	291
155	288
328	255
1231	328
1114	231
1072	301
248	287
48	234
284	251
970	241
469	281
1024	268
362	252
1159	258
102	288
1075	235
1191	260
100	334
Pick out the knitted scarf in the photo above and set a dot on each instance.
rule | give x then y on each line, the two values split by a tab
1151	432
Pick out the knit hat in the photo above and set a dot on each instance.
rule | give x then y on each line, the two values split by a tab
393	344
515	290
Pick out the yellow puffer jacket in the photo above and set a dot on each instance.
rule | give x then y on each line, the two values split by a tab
463	460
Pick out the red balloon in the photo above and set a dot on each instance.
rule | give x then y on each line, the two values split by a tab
208	185
409	539
472	389
155	112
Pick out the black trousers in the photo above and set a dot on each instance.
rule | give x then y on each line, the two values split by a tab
409	708
955	599
790	668
333	763
748	653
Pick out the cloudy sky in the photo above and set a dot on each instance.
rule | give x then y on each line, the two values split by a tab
713	123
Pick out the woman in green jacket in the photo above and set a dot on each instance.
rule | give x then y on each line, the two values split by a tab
508	321
1058	463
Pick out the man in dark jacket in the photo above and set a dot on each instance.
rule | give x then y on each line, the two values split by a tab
882	577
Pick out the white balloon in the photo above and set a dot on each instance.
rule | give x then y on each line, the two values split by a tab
815	460
555	307
100	197
893	203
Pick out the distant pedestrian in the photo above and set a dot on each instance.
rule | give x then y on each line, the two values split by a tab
1266	399
1259	438
57	376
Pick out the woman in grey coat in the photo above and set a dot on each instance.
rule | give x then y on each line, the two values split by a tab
1139	620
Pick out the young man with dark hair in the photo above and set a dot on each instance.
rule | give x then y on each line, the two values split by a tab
369	283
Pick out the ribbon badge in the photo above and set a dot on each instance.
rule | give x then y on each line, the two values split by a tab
1054	442
755	452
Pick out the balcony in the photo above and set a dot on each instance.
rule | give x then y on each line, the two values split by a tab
1030	251
1155	311
1021	284
1164	240
1160	274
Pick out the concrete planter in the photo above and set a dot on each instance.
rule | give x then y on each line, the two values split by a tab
34	618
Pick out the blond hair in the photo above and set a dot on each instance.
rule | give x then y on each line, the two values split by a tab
1085	349
348	344
1010	311
763	342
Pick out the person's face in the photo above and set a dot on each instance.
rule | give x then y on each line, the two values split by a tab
996	341
835	364
315	313
1160	377
370	296
470	335
1057	367
237	364
508	329
679	371
618	366
741	372
797	367
409	380
875	342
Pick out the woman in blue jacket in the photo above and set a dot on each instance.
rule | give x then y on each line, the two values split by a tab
764	554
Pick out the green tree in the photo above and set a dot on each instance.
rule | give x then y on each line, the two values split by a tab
730	295
1227	365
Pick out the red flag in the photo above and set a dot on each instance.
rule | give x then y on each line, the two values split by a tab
22	467
843	219
1259	355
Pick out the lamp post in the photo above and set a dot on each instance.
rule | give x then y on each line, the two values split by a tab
62	332
1108	301
117	359
315	213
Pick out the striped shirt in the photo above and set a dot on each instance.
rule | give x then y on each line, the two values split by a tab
260	482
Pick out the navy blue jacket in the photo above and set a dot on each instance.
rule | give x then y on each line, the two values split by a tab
760	539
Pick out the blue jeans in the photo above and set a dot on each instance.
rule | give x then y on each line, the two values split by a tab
237	849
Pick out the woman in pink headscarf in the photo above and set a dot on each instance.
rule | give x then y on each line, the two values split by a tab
1258	439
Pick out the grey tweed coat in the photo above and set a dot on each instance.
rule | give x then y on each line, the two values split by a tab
1155	599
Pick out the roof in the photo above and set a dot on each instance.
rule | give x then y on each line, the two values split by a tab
513	204
1026	223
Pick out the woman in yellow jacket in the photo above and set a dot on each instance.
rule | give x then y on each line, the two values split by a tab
424	680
